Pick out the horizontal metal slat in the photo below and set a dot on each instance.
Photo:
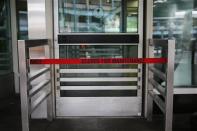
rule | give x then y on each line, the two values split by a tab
103	79
34	42
95	75
92	83
38	88
98	70
96	66
98	38
160	103
98	93
159	88
98	87
33	76
158	73
39	100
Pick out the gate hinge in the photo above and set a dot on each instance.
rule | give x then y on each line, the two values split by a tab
58	71
58	79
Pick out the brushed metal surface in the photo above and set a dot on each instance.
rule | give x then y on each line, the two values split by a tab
103	79
92	106
98	87
98	70
36	19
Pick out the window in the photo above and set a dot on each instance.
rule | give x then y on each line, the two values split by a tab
176	19
98	16
5	42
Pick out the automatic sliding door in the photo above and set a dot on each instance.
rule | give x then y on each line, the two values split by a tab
98	29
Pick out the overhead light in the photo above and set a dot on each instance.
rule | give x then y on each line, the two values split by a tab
194	14
108	1
180	14
160	1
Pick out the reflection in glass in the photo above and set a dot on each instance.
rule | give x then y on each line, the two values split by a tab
99	51
175	19
5	45
98	16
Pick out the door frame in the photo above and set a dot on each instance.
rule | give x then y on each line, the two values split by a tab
140	47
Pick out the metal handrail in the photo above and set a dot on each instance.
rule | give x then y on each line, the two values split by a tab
39	101
38	88
165	101
27	91
158	101
38	73
158	73
156	85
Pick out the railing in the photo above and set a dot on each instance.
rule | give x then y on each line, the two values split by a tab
33	95
160	80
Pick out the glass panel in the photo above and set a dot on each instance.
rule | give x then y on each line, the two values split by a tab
98	16
98	51
23	25
132	16
5	44
175	19
22	20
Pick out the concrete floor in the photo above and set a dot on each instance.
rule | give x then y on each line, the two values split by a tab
10	121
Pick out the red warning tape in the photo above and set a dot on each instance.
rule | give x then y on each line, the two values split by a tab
100	61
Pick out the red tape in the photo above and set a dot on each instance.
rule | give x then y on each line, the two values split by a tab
100	61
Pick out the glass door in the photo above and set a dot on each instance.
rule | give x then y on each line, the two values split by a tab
98	29
5	43
6	70
98	16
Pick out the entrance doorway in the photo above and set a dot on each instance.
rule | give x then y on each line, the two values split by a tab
98	29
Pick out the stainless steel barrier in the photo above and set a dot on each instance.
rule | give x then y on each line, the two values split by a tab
160	80
32	93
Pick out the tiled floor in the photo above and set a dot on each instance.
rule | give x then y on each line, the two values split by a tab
10	121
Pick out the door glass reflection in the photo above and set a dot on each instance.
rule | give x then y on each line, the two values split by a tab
98	51
5	43
98	16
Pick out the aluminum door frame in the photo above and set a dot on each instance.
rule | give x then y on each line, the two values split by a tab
140	48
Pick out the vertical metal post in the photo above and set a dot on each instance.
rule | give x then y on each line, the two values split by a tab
140	49
150	87
49	23
14	45
170	86
149	34
23	86
49	76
